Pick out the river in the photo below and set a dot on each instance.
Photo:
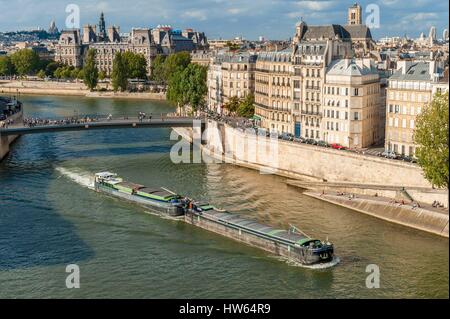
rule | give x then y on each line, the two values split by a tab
49	218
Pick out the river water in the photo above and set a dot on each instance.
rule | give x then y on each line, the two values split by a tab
49	218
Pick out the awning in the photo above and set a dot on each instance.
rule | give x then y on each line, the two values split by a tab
256	117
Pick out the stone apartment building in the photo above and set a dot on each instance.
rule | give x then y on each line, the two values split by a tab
238	75
352	103
273	90
409	91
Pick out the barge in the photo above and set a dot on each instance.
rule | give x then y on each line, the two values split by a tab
291	244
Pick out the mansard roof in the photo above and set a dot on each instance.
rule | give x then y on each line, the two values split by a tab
276	56
336	31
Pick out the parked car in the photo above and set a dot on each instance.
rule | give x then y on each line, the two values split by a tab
287	136
337	146
311	141
2	117
389	154
323	144
299	139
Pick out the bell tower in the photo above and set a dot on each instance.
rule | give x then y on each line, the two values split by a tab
354	15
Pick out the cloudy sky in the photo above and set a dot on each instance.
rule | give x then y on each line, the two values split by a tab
273	19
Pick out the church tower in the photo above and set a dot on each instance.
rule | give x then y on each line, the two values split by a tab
102	28
354	15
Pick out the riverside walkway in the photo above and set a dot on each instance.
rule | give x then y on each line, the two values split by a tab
35	126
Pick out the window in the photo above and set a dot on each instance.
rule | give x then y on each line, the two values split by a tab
337	126
404	123
391	121
391	108
346	115
356	116
346	103
411	123
356	91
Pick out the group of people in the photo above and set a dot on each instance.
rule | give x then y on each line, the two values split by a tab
6	123
437	204
32	122
142	116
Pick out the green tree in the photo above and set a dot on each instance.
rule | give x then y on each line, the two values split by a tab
174	63
158	74
90	70
246	106
136	65
119	75
51	68
74	73
101	75
66	73
80	75
6	66
41	74
431	136
232	105
232	46
188	86
25	61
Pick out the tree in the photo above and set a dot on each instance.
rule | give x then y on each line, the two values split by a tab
174	63
90	70
25	61
232	46
158	69
232	105
74	73
101	75
431	136
41	74
136	65
188	86
119	76
6	66
51	68
194	77
246	107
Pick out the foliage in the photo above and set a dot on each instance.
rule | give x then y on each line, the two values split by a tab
51	68
6	66
119	76
431	136
101	75
246	106
188	86
90	70
41	74
158	74
232	105
232	46
26	62
136	65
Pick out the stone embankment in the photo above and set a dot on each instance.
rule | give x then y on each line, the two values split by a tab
69	89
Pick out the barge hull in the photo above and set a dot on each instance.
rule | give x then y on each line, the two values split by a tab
272	246
153	205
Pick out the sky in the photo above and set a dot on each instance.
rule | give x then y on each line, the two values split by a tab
273	19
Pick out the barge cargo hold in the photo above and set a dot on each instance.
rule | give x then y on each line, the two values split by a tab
292	244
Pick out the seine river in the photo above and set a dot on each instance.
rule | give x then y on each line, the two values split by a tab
49	218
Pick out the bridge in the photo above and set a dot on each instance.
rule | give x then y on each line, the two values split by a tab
85	124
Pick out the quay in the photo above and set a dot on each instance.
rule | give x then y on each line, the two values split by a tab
11	111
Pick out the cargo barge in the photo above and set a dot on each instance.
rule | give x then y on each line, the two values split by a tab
291	244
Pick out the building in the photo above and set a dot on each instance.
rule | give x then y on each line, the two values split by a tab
354	15
107	41
230	75
352	103
409	92
273	90
238	75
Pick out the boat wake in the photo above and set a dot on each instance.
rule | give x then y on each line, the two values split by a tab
332	263
80	177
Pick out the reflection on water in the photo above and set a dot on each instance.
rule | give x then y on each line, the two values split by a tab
47	220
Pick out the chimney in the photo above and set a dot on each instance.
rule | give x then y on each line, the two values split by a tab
432	65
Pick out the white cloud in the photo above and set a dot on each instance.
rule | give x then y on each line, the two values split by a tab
316	5
196	14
